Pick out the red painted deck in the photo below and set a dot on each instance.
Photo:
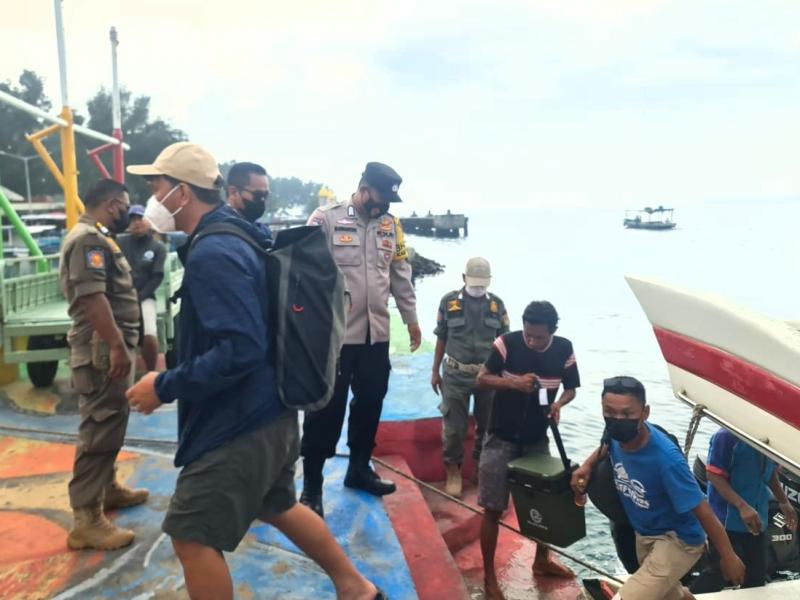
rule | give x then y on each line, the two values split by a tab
416	448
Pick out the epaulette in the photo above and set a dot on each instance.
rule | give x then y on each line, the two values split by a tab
102	229
327	207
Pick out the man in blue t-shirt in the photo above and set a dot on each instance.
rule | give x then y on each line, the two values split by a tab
739	480
660	496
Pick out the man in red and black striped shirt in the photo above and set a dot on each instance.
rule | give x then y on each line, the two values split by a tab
520	363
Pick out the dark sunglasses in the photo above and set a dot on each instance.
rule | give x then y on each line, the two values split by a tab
622	381
257	195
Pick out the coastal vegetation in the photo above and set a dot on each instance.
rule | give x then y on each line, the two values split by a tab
146	134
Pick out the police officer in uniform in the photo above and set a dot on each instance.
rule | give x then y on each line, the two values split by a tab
468	321
95	279
368	246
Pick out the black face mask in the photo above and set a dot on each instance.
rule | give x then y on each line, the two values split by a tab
120	224
622	430
370	204
254	209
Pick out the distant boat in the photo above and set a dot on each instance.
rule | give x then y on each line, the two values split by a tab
649	218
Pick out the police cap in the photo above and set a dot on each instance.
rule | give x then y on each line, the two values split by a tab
384	179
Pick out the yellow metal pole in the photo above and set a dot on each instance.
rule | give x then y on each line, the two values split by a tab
36	140
72	202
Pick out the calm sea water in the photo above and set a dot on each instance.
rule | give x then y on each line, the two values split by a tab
577	259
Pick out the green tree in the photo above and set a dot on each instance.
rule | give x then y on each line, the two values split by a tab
14	125
285	192
146	137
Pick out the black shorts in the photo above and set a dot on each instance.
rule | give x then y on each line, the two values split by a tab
752	549
220	494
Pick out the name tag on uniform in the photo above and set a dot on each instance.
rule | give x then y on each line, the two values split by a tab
345	239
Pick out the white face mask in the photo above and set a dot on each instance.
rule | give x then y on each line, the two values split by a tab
476	291
159	216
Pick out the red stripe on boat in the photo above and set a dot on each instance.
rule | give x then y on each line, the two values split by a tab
758	386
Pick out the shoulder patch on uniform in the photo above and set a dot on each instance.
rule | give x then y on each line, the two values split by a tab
95	259
493	306
400	250
453	305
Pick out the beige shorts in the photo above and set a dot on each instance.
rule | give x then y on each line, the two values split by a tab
149	317
663	560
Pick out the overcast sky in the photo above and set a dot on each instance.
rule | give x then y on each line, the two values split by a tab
557	102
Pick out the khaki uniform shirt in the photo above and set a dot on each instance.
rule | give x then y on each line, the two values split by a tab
372	255
470	325
91	262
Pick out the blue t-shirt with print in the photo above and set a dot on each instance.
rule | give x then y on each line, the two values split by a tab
657	489
748	472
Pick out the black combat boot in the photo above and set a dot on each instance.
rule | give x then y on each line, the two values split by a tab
312	485
361	477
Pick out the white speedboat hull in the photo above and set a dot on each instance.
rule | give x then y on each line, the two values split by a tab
743	367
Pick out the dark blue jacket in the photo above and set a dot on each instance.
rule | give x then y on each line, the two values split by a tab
223	383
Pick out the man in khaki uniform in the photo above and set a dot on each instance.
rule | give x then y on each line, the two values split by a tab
467	324
96	280
368	245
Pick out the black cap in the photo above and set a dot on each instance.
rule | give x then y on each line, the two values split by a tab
384	179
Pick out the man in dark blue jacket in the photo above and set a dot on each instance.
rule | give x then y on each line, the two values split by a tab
237	445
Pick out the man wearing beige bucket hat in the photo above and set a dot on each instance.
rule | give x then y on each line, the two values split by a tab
238	444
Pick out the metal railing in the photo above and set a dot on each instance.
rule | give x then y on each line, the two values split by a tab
761	445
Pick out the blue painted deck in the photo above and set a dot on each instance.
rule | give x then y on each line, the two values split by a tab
266	564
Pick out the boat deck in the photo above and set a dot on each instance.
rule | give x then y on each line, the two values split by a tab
405	542
35	562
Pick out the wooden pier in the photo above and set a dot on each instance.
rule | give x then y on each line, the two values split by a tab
448	225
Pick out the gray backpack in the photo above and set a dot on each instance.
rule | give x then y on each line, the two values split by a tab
307	312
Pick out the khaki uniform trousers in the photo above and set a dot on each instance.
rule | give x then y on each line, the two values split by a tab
457	388
104	412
